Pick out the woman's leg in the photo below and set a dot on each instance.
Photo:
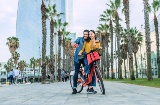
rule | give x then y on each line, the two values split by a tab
86	67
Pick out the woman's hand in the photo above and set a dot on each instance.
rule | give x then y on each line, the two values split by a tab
100	47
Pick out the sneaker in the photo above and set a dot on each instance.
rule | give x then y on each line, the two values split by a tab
74	91
91	91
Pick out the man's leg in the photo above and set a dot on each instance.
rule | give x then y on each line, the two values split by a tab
77	67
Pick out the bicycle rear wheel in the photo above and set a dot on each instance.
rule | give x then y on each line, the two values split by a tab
100	81
79	82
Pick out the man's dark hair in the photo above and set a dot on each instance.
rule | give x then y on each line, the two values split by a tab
88	39
86	31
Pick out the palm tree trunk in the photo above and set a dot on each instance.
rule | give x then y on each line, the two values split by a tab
44	33
136	65
127	18
34	75
148	42
51	47
38	74
63	53
118	46
59	56
107	55
157	43
125	75
111	32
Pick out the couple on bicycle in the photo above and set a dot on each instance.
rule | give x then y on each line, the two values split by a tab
85	44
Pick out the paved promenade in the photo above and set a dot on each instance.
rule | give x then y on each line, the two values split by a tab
60	94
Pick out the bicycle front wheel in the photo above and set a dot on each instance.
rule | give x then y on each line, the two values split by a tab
79	82
100	81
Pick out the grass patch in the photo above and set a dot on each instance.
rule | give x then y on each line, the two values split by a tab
139	81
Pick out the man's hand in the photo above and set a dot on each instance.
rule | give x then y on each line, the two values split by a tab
73	45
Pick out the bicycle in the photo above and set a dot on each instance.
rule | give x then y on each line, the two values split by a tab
81	82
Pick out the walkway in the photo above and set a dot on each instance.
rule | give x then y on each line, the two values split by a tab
60	94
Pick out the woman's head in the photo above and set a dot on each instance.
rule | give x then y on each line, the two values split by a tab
92	34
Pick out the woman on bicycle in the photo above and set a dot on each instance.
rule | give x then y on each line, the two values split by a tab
87	47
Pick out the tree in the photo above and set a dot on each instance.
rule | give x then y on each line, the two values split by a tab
60	27
21	65
0	64
44	35
15	57
155	7
105	44
39	62
51	14
108	16
115	5
148	42
33	64
127	18
64	33
13	44
124	48
136	40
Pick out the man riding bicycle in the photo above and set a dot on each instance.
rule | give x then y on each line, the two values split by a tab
78	62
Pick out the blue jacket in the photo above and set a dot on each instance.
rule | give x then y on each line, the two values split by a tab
79	41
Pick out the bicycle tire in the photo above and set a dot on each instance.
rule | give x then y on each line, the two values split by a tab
79	84
100	81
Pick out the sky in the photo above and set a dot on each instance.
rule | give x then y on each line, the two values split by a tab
85	16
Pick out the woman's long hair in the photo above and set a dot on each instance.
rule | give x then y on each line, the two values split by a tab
94	33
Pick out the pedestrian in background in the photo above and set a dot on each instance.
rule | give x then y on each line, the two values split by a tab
11	76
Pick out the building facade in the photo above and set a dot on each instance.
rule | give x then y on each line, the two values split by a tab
29	27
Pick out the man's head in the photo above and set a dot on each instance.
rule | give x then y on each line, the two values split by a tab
85	34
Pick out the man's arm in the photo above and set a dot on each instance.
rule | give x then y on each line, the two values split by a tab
75	42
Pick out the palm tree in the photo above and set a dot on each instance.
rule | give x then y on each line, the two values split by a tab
39	62
148	42
124	48
7	68
105	44
0	64
136	40
69	53
124	55
115	5
108	16
22	64
64	33
13	44
156	6
48	64
60	27
127	18
44	35
15	56
51	14
33	65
